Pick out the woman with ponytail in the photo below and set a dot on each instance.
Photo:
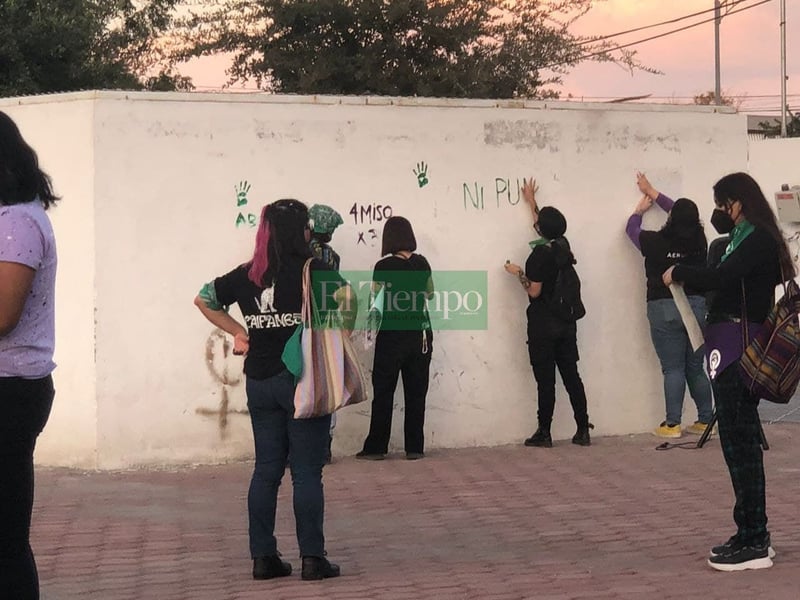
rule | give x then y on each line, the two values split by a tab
552	340
755	261
268	290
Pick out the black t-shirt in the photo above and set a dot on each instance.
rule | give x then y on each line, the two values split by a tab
541	267
755	261
406	286
271	314
660	253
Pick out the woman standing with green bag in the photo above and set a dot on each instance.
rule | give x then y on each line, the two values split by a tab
268	290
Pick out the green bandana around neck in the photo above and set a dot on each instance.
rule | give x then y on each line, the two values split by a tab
738	235
538	242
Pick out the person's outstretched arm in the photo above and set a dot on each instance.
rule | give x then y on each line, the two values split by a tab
529	189
648	190
533	288
634	226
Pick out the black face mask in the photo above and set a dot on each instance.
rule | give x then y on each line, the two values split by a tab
722	221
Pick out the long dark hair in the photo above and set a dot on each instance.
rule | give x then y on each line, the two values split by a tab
281	233
21	179
756	209
683	228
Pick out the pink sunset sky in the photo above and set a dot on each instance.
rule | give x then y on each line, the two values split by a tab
750	54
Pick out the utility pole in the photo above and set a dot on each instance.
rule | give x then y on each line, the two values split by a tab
783	68
717	86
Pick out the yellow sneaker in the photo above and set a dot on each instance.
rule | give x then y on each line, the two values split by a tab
698	428
668	431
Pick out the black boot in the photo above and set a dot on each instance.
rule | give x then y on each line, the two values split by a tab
582	436
268	567
318	567
541	438
329	455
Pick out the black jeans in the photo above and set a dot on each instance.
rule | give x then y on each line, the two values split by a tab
557	349
26	406
740	438
396	353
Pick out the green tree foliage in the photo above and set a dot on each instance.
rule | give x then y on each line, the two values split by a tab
772	128
63	45
446	48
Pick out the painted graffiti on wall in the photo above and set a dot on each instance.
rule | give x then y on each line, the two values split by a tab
243	218
421	171
504	191
366	218
227	372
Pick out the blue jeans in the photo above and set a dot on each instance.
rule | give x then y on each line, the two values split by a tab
679	364
278	436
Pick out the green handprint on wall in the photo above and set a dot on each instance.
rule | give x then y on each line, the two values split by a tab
422	174
241	192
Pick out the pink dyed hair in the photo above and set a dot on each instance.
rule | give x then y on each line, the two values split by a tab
260	262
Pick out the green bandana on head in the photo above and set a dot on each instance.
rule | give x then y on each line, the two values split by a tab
325	219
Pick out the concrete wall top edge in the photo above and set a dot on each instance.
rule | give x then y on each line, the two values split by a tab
266	98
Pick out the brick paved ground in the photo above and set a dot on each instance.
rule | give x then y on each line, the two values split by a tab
617	520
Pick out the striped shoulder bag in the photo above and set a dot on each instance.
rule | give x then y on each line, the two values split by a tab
331	375
770	364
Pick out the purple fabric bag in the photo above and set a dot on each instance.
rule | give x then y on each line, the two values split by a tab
724	344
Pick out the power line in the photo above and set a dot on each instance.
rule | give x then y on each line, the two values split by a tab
668	22
655	37
733	96
772	108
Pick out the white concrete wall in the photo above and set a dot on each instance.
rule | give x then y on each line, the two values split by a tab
165	167
61	131
772	163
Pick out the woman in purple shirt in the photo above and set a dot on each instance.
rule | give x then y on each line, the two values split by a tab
27	281
681	239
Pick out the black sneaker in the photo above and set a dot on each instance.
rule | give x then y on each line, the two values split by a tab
733	542
269	567
540	439
364	455
318	567
739	558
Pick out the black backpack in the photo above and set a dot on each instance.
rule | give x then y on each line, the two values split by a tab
565	301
